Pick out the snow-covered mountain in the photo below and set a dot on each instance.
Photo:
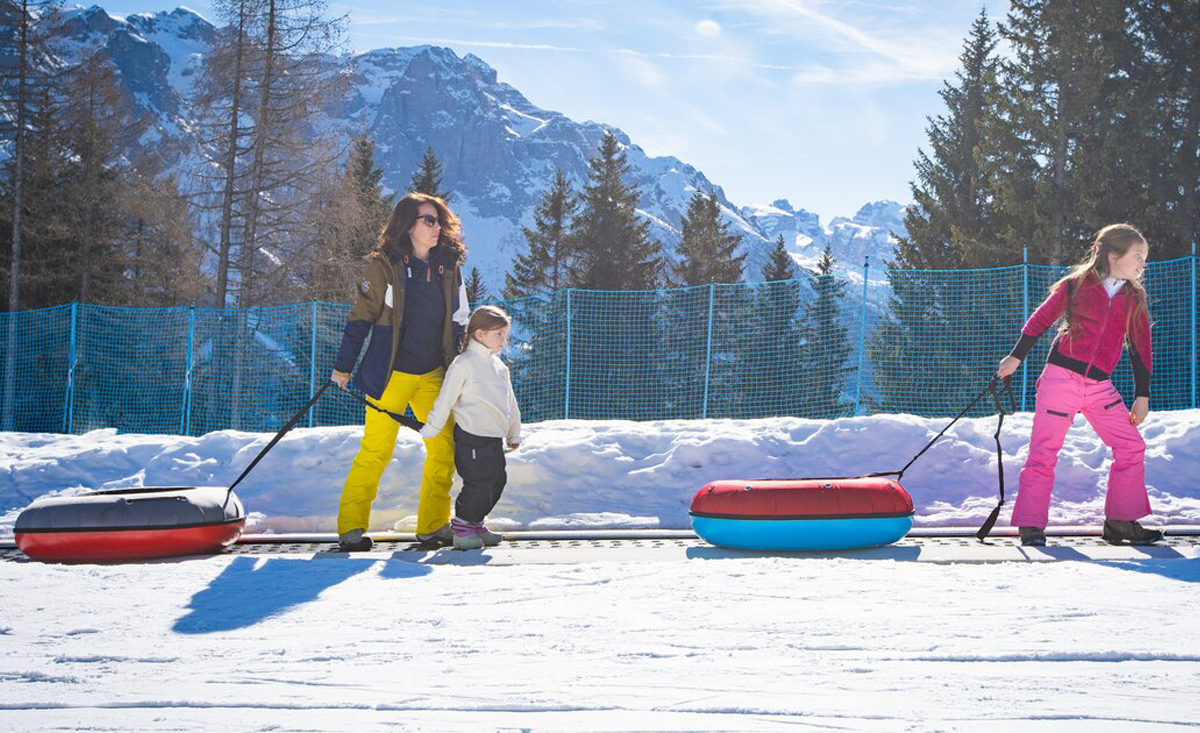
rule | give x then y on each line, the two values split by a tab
498	150
868	234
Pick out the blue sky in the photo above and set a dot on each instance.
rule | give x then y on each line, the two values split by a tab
821	103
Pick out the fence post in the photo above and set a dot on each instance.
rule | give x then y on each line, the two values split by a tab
567	392
1192	298
1024	315
862	338
312	364
69	395
708	350
186	425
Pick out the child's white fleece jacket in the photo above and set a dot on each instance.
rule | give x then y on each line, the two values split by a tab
478	389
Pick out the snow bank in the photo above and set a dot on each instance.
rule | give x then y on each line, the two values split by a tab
615	473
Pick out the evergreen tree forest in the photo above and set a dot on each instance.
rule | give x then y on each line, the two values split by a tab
1059	119
1091	118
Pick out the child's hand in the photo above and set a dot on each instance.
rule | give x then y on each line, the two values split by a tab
1141	408
1008	365
514	444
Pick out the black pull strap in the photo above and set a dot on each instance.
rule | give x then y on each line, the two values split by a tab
900	474
290	424
404	420
1000	413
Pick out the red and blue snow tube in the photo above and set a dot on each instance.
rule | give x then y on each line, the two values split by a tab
802	514
130	524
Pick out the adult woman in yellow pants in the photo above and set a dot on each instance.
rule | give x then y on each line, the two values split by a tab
412	302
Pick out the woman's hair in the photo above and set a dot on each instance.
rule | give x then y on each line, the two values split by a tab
1112	239
394	238
486	318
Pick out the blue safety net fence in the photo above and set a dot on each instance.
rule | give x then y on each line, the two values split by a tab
868	341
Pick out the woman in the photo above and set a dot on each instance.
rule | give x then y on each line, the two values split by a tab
412	300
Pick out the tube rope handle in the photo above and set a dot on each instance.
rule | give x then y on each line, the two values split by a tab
1000	414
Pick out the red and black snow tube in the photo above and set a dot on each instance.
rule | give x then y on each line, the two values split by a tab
131	524
802	514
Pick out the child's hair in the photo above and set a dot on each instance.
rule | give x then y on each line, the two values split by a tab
1115	239
486	318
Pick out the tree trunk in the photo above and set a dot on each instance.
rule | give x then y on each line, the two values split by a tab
230	163
14	283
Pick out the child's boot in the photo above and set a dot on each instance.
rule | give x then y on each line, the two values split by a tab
466	535
1120	533
490	538
1033	536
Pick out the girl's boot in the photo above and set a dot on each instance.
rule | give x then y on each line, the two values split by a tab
1120	533
466	535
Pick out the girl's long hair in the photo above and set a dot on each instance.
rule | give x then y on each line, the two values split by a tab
1112	239
394	239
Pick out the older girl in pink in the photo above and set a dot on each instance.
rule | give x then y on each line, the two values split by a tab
1103	307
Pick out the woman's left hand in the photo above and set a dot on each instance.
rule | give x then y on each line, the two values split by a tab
1141	408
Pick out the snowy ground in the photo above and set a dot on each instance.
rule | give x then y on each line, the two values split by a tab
766	643
576	474
247	643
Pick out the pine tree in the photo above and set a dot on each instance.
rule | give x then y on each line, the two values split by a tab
773	363
617	343
1162	126
365	182
427	178
349	214
93	196
536	294
707	246
613	239
476	289
25	81
549	257
780	265
951	224
1055	141
827	348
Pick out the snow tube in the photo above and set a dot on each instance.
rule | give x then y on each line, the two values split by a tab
802	514
130	524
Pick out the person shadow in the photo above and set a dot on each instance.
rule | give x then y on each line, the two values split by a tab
251	589
1183	570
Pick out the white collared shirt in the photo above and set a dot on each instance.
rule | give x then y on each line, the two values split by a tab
1112	285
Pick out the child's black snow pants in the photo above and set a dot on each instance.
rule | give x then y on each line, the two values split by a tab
480	462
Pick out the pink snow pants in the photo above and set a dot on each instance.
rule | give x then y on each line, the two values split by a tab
1061	393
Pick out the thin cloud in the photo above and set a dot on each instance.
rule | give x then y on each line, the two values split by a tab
918	57
573	49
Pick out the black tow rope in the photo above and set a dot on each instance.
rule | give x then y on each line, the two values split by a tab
404	420
995	387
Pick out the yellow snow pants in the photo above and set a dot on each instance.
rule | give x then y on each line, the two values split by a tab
379	440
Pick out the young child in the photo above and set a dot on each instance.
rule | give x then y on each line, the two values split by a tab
477	389
1103	306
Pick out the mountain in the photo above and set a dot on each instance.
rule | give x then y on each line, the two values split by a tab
498	150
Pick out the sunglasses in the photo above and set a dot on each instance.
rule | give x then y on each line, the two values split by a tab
430	220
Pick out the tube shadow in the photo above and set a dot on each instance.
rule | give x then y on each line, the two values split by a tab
251	590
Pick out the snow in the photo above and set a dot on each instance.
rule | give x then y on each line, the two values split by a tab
699	641
613	474
239	642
